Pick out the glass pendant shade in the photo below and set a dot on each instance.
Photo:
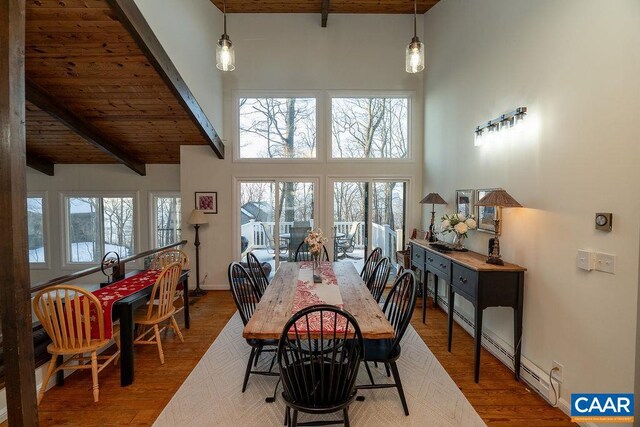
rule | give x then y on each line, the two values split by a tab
415	56
225	57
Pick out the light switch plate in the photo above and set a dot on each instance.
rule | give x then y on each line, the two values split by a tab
586	260
606	263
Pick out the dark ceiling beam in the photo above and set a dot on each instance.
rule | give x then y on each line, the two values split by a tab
15	295
47	103
134	22
40	164
325	12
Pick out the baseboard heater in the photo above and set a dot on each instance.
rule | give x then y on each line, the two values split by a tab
530	374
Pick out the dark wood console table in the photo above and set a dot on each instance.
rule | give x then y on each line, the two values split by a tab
484	285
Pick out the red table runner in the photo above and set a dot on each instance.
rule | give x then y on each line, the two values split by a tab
109	295
308	293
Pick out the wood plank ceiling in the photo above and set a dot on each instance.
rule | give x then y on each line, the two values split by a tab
315	6
79	53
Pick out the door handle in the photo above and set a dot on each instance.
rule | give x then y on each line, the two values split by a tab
462	279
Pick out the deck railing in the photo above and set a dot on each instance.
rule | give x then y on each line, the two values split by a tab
383	236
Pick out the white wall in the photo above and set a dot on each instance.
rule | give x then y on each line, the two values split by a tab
189	31
100	178
292	52
575	65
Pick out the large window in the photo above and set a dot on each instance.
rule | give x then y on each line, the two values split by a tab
370	127
97	225
36	231
277	128
166	219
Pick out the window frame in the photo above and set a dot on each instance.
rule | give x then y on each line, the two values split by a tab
320	125
64	226
45	231
152	214
409	95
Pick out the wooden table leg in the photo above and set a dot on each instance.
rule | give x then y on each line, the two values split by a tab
478	342
185	297
126	345
517	327
425	275
451	306
435	291
60	373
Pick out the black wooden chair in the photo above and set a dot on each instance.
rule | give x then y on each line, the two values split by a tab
379	278
257	273
370	264
246	296
319	370
398	309
303	254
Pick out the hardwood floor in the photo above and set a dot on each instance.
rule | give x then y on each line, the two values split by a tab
498	398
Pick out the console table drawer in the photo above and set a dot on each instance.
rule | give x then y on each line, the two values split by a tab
417	256
438	264
465	279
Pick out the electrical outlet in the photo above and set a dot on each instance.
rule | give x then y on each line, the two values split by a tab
556	371
606	263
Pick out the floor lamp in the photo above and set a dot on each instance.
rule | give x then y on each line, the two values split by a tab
197	218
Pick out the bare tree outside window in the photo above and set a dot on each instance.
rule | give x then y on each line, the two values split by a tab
98	225
370	128
168	220
277	128
35	227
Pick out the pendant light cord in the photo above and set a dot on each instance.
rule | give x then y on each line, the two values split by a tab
415	13
224	15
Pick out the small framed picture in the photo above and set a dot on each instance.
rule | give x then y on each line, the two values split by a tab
485	214
464	202
207	202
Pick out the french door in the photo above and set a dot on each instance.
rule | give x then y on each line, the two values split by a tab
367	213
274	216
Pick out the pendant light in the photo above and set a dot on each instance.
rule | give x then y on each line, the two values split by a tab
225	57
415	49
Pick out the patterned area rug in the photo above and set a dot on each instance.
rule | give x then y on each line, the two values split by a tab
211	395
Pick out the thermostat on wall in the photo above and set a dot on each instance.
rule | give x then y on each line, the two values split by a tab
603	221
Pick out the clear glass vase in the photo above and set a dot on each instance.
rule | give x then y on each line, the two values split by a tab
458	242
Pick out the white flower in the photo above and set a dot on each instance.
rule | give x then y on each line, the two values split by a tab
461	228
461	216
471	223
446	224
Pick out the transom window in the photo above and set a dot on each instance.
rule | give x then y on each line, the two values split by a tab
370	127
277	128
97	225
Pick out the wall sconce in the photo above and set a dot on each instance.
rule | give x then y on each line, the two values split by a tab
505	121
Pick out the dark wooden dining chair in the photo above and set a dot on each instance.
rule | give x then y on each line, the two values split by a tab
257	273
379	278
303	254
318	370
398	308
370	264
246	296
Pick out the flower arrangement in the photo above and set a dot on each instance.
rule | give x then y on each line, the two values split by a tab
315	240
459	224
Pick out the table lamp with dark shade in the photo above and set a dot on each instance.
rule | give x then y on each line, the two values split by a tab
197	218
434	199
500	199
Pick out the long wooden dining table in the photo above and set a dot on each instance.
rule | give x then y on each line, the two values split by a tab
276	305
